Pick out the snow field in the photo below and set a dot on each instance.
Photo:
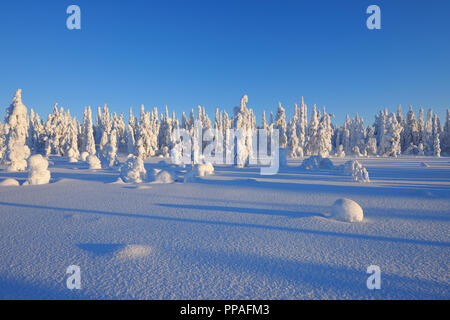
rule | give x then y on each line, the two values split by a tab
231	235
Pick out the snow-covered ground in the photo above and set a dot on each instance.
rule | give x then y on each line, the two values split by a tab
231	235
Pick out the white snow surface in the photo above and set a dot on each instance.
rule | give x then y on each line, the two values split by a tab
231	235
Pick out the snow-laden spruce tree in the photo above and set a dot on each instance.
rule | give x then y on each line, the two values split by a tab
428	137
446	137
244	121
301	126
410	135
371	142
390	142
2	142
36	133
294	150
71	142
88	132
16	129
312	146
130	140
325	134
280	124
436	146
164	134
111	150
380	129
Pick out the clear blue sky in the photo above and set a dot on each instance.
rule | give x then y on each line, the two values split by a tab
184	53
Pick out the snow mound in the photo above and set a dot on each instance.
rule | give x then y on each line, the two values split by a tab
204	169
73	156
118	181
199	170
357	171
9	183
133	170
347	210
94	162
38	173
134	252
160	176
317	163
84	155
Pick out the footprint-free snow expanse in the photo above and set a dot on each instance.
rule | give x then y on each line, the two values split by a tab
233	235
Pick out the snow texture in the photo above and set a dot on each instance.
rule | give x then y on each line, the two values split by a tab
231	235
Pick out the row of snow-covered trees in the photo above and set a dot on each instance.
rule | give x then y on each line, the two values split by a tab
150	134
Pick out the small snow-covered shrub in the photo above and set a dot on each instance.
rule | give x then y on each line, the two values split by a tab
164	177
133	170
9	183
204	169
17	153
84	155
73	156
38	173
199	170
356	151
317	163
340	151
94	162
347	210
160	176
356	170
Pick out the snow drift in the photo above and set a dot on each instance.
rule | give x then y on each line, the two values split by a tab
347	210
9	183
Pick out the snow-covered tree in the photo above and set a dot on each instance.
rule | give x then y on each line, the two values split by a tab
390	142
88	132
446	136
301	125
280	124
312	147
428	137
371	142
16	129
410	135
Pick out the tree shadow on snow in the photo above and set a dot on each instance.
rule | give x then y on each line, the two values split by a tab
237	225
15	289
319	280
270	212
100	249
